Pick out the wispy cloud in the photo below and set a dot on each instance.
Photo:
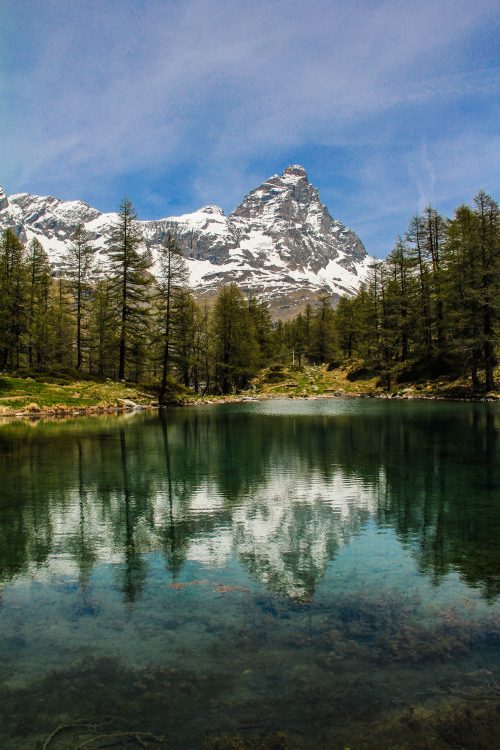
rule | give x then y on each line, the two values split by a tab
212	93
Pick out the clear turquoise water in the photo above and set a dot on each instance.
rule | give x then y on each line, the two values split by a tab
329	570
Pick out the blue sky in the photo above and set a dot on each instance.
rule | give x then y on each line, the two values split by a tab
389	105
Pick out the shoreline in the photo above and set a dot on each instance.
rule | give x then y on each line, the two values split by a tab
25	398
74	412
69	412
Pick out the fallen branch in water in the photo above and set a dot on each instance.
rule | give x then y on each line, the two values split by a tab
98	736
137	736
63	727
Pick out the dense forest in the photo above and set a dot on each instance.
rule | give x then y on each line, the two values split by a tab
430	309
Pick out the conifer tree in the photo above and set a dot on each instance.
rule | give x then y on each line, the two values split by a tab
488	218
473	286
202	365
13	299
78	262
104	328
322	333
435	232
400	297
39	281
130	281
345	327
308	318
434	302
173	278
461	280
184	330
235	345
416	238
372	317
262	325
61	324
299	340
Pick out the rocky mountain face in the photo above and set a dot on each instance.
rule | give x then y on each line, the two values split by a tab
280	243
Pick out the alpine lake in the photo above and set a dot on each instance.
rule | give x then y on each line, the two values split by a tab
279	574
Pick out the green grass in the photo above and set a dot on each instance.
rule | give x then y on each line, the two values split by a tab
310	380
64	395
318	380
21	394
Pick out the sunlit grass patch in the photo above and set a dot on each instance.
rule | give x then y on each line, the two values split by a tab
35	396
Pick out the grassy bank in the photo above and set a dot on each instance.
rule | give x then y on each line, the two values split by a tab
32	397
318	381
350	381
66	396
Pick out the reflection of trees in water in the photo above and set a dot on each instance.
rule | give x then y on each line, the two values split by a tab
81	542
281	492
443	493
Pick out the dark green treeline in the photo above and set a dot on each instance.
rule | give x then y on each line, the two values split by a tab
431	308
117	320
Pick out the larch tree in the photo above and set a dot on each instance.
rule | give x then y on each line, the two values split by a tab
78	265
418	251
472	258
345	327
435	233
103	330
39	284
235	344
173	278
128	267
401	294
61	322
202	366
13	299
488	218
185	324
322	332
262	323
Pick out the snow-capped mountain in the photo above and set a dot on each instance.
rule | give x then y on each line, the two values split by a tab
280	243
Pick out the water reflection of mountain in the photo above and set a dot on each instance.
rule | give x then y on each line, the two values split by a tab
281	493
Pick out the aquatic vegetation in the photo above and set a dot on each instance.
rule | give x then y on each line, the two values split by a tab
276	741
220	588
226	589
178	586
386	627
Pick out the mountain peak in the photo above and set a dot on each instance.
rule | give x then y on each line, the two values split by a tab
285	200
296	171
